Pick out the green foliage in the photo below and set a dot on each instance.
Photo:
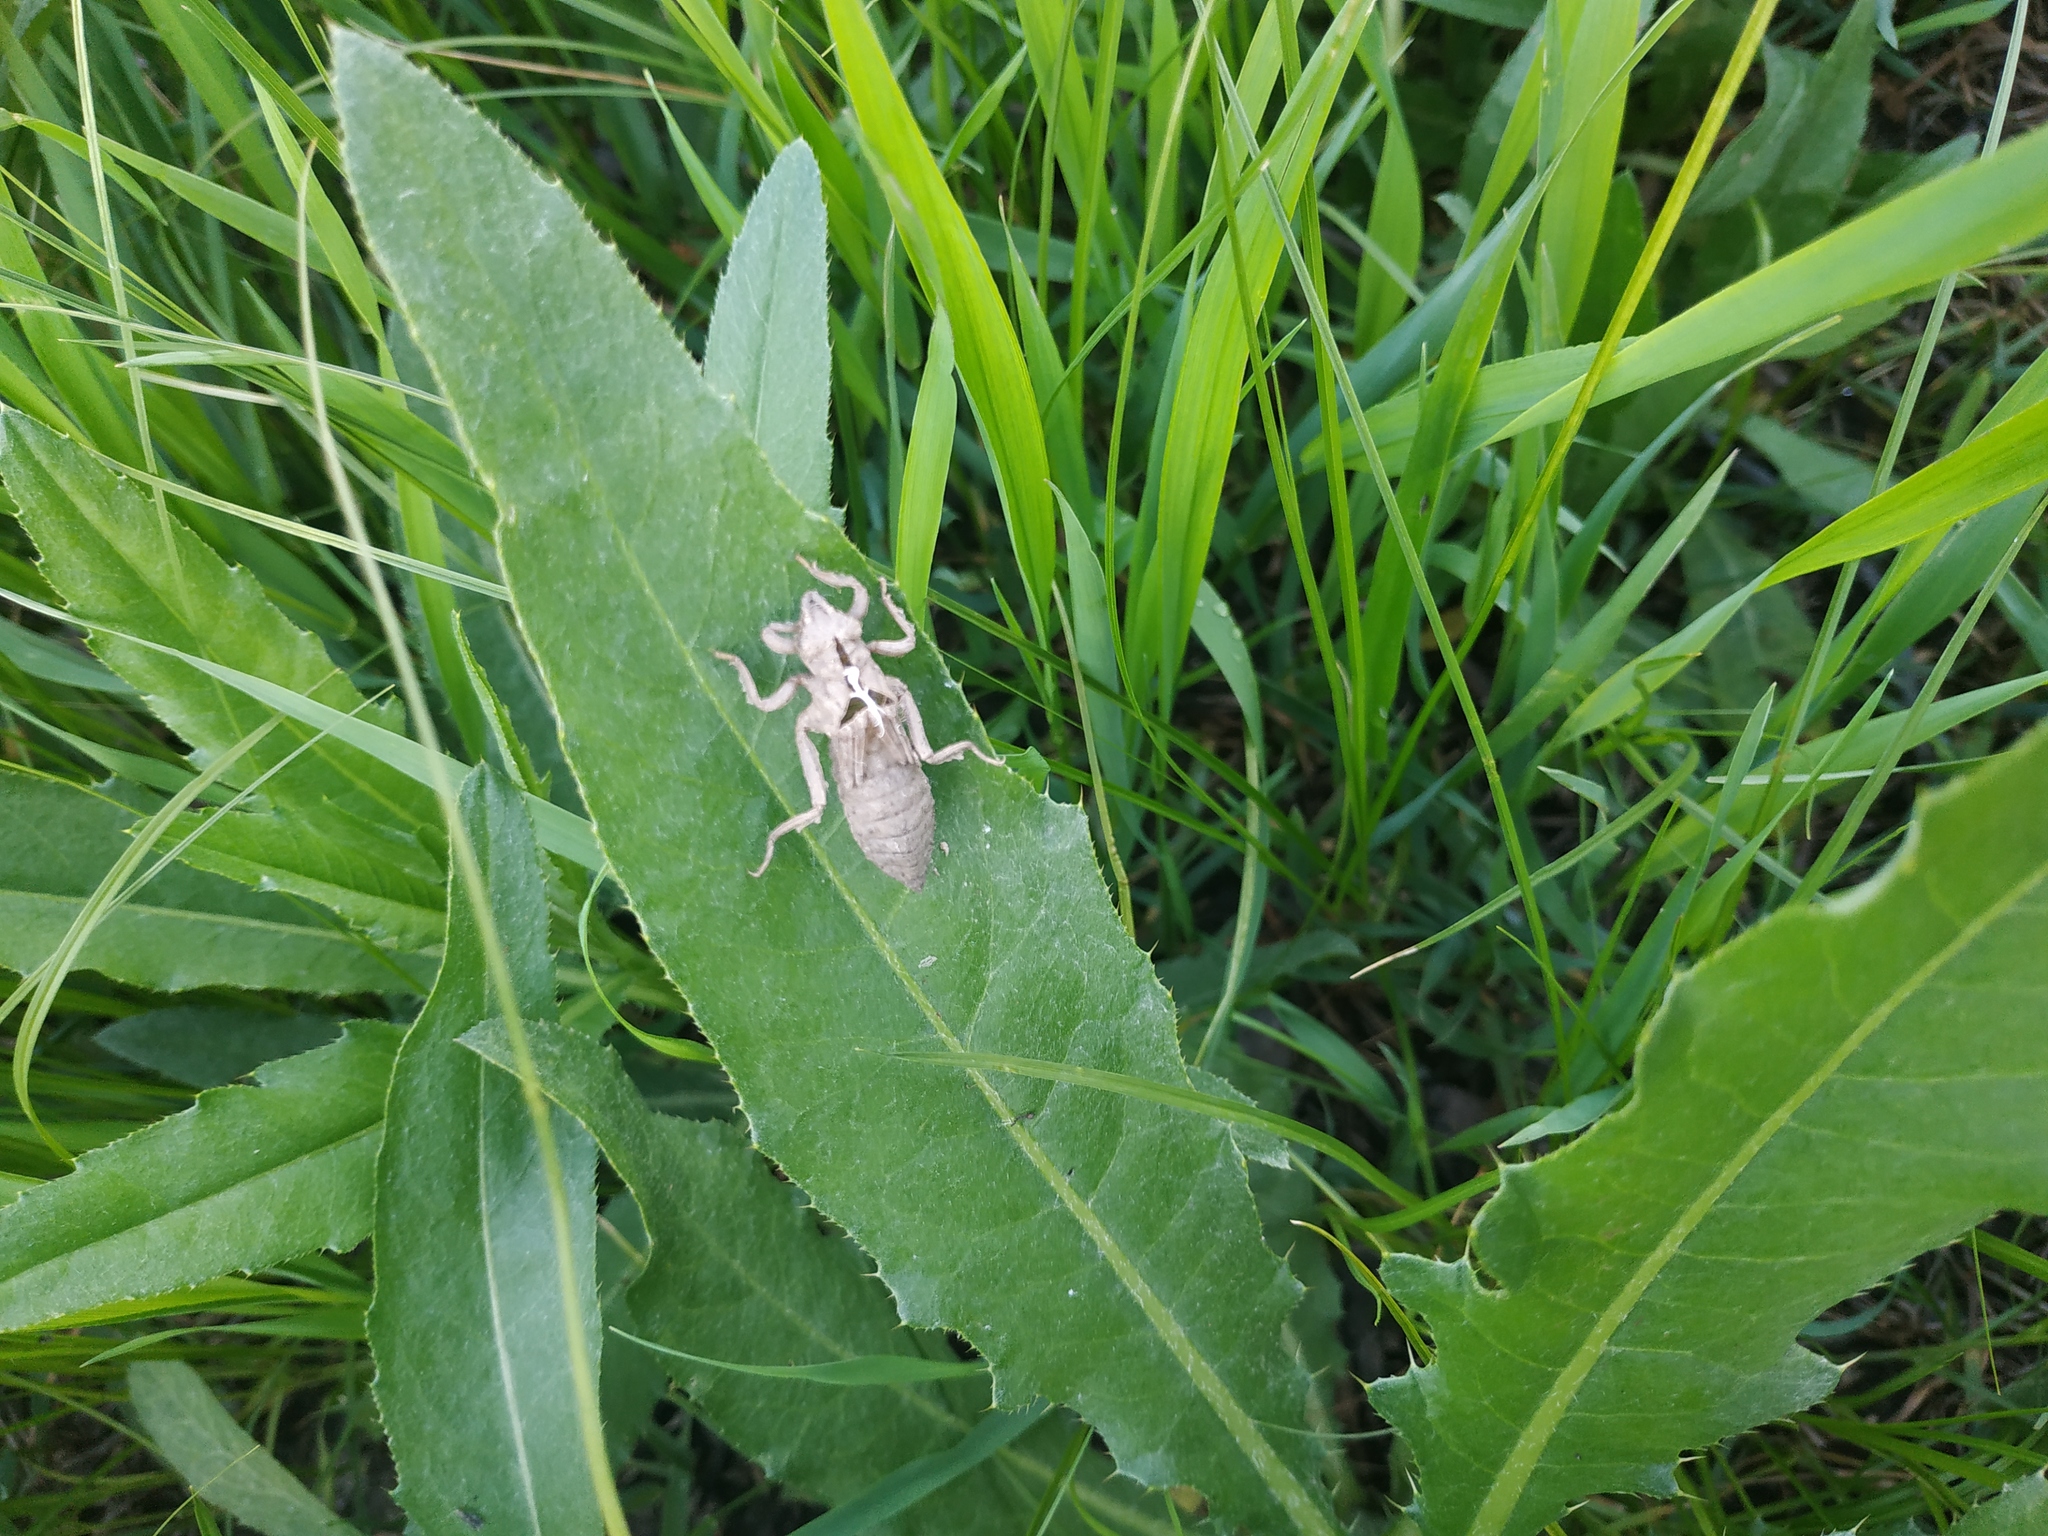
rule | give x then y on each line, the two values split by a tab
736	1264
1187	1387
244	1179
1704	619
183	929
1617	1328
473	1378
213	1453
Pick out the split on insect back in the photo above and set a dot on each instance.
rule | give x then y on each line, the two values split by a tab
870	721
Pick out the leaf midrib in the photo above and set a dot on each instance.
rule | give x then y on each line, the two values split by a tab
193	915
1520	1465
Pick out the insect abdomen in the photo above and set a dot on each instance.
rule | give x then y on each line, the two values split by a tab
889	810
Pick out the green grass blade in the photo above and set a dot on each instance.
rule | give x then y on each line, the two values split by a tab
2007	461
956	275
926	465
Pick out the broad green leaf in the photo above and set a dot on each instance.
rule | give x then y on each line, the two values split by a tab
926	465
560	831
582	412
472	1358
208	1045
768	348
956	275
1644	1287
245	1178
2021	1510
2005	461
119	564
738	1265
217	1457
184	929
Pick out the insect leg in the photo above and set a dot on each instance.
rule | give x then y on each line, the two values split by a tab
858	608
814	779
774	701
915	722
780	638
902	647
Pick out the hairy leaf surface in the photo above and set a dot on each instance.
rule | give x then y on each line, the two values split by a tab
246	1177
768	346
738	1269
1098	1251
467	1329
1649	1281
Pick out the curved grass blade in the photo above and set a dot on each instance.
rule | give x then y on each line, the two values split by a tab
1649	1281
1085	1243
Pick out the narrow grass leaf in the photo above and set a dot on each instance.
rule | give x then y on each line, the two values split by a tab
2009	459
956	275
858	1371
926	465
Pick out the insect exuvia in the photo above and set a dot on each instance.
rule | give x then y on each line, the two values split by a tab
869	719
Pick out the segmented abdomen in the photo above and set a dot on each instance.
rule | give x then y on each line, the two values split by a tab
888	802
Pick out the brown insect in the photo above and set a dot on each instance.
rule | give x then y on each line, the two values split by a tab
871	722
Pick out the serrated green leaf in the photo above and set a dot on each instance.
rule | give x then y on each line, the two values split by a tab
247	1177
2021	1510
184	929
473	1371
768	346
148	579
217	1457
208	1045
1648	1282
1099	1252
738	1264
